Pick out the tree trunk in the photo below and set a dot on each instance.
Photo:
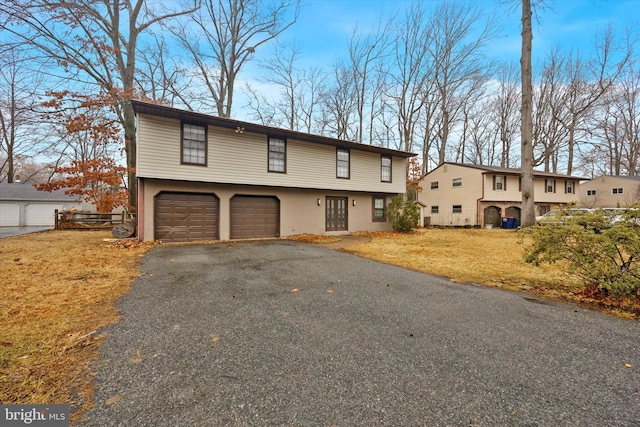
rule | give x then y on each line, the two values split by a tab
526	119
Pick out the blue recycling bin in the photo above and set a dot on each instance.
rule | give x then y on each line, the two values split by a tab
507	222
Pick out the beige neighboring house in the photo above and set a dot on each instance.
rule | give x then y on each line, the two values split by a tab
202	177
473	195
610	192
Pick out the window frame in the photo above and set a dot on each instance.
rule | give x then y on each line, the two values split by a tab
591	193
617	191
338	162
374	209
456	182
569	187
383	168
503	183
274	152
546	185
205	142
434	187
435	209
456	209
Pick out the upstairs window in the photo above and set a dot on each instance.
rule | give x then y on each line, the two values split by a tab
591	192
549	185
277	155
385	169
434	185
569	188
342	163
617	191
194	144
456	182
499	182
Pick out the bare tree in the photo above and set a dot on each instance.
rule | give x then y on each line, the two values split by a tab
618	124
549	137
528	217
19	97
365	51
504	111
338	109
95	42
461	70
224	35
583	84
161	76
409	75
480	143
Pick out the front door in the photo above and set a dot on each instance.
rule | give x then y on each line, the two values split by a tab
337	213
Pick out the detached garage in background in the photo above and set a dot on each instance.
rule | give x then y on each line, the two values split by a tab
22	205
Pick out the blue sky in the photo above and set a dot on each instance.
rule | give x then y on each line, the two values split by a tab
325	26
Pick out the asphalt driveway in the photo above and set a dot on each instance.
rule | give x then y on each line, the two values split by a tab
284	333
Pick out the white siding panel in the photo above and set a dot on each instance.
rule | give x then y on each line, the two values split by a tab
242	159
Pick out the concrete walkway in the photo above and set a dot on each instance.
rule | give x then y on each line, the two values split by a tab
16	231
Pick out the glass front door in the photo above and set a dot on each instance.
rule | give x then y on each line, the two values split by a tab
337	213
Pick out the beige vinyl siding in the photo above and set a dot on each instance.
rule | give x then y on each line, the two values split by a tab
512	192
604	196
242	159
446	196
559	197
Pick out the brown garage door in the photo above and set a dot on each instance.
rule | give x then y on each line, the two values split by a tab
255	216
186	217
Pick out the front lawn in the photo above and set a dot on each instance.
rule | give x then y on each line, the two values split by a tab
487	257
58	289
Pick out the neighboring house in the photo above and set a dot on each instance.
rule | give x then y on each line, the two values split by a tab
469	195
23	205
203	177
610	192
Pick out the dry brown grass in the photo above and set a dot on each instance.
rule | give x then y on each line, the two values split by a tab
486	257
58	288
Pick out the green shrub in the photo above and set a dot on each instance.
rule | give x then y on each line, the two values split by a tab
403	215
601	249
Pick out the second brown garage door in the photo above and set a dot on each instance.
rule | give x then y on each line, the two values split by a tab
184	217
255	216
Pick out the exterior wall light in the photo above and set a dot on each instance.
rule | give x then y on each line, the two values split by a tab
354	202
319	202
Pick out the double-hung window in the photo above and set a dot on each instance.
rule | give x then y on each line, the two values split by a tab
194	144
277	155
569	187
617	191
385	169
500	183
549	185
434	185
456	182
379	202
591	192
343	163
457	209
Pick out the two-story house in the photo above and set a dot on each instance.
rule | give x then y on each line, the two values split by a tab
610	192
469	195
202	177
